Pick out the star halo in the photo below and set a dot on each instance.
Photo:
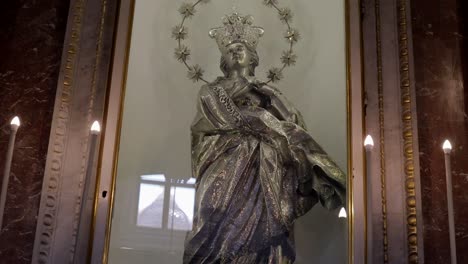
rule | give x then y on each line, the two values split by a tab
195	72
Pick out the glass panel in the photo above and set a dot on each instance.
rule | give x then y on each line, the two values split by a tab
237	170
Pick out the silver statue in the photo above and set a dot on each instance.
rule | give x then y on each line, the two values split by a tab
257	168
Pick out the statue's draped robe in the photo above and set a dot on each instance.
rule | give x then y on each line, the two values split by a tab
257	171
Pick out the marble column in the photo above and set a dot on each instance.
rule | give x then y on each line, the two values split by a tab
441	71
31	43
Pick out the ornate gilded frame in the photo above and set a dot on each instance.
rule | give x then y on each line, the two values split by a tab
92	86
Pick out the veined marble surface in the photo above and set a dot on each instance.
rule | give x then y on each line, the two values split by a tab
441	70
31	43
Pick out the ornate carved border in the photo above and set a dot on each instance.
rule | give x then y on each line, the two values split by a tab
407	121
46	225
380	89
80	98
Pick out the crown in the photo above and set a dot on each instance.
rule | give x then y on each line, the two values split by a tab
237	28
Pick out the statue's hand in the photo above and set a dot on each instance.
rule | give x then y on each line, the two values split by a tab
263	88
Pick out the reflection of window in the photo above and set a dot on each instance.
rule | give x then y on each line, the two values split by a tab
166	204
150	205
181	208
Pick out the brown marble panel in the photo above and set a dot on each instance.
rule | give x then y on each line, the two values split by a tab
441	71
31	39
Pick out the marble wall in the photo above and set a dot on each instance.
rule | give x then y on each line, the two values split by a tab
441	72
31	43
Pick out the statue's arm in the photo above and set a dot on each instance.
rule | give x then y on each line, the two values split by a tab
280	105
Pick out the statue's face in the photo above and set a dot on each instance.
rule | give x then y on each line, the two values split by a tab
237	56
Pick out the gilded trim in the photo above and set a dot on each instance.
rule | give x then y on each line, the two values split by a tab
408	146
350	204
47	219
363	132
380	88
93	88
115	159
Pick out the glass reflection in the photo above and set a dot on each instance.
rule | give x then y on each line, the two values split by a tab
150	205
154	221
166	205
181	208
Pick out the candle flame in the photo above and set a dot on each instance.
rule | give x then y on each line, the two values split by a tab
15	121
96	127
368	142
342	213
447	145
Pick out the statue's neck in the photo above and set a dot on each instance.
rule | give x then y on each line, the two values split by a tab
239	73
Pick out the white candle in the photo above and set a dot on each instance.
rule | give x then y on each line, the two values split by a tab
369	145
84	226
342	213
15	123
447	147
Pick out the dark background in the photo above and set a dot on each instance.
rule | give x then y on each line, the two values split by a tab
31	44
441	72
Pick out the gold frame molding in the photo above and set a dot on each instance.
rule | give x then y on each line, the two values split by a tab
109	152
380	88
391	116
46	230
407	118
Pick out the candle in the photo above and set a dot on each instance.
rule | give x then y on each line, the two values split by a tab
369	145
84	227
95	130
447	147
15	123
342	213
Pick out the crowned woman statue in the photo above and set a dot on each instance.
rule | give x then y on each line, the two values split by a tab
257	167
